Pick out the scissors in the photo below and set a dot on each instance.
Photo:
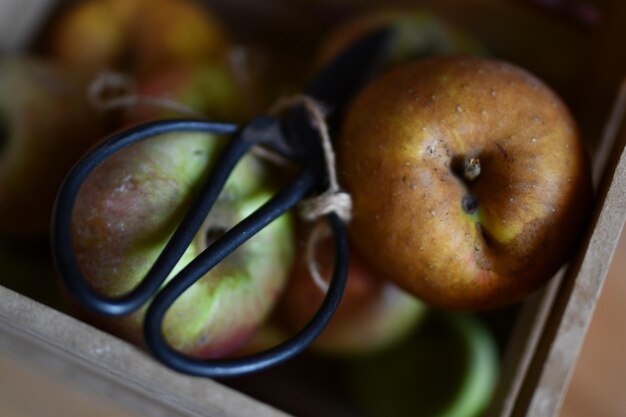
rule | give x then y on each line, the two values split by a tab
292	136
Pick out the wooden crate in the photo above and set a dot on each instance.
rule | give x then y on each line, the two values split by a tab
538	363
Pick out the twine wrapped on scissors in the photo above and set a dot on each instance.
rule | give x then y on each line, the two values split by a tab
113	91
333	200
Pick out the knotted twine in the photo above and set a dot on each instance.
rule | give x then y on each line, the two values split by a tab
113	91
333	200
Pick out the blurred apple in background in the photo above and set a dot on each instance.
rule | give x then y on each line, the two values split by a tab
137	36
46	124
415	33
92	33
548	43
373	313
208	89
448	368
128	208
175	31
482	182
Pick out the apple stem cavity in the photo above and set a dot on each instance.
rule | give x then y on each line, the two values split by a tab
471	169
470	204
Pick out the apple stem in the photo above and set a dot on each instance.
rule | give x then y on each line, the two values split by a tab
471	169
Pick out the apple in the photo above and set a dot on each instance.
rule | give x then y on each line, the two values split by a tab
130	205
167	32
46	124
270	334
416	33
209	89
470	182
373	313
448	368
92	34
138	36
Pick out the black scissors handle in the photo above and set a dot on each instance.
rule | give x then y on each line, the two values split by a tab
62	217
253	363
259	131
295	138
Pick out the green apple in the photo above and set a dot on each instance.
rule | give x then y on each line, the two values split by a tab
449	368
372	315
415	33
481	180
138	36
130	205
270	334
46	124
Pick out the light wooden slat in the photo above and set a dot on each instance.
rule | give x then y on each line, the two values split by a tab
83	356
550	371
536	311
28	392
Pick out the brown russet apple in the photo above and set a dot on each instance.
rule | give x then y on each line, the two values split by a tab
471	184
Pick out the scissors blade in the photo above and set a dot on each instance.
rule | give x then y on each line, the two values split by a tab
333	87
339	80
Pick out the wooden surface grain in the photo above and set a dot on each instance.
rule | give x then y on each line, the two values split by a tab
597	388
26	392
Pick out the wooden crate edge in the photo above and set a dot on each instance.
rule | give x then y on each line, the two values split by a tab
553	363
102	364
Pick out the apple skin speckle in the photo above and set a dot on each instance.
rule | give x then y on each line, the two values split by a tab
533	195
